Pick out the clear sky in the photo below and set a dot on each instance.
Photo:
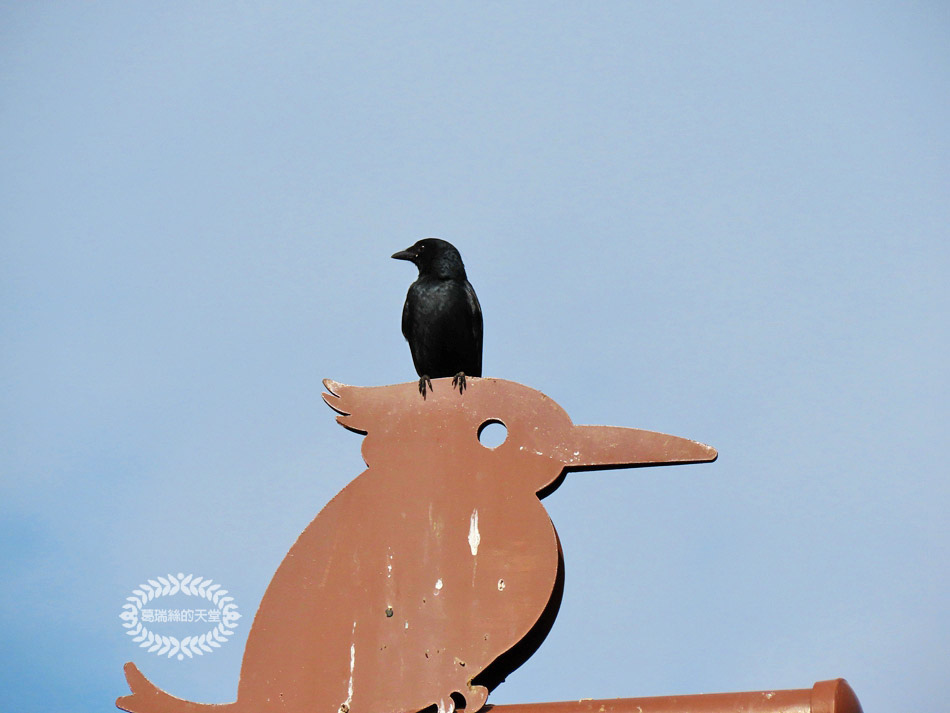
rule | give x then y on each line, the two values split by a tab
727	221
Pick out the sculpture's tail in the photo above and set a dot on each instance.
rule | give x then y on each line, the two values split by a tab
148	698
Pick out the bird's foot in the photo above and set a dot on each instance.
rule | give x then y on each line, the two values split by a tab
459	381
423	380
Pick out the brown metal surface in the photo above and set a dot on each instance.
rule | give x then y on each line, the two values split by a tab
824	697
437	571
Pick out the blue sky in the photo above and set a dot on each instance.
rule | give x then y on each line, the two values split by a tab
725	221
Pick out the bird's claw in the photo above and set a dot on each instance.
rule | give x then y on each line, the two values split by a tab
423	380
459	381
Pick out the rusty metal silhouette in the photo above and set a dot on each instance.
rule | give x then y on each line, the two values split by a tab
437	571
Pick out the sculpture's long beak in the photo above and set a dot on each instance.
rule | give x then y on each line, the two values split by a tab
593	447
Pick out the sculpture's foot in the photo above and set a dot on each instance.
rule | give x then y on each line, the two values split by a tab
423	380
459	381
475	697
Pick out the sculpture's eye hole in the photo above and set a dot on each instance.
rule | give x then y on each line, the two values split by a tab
492	433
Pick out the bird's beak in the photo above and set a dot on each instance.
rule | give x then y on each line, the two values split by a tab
406	254
595	447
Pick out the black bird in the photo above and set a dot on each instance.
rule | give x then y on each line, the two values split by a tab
441	320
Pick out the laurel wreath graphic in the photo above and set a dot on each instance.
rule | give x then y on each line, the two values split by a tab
170	646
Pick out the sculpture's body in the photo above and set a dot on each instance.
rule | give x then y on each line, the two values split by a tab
434	573
413	590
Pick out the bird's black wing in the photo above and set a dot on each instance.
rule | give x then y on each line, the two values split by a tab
455	343
476	329
407	317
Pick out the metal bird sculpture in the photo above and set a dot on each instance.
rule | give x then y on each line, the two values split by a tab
441	319
433	574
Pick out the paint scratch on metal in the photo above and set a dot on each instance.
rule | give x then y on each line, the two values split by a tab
345	707
473	535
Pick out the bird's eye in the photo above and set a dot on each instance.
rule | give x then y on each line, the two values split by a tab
492	433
